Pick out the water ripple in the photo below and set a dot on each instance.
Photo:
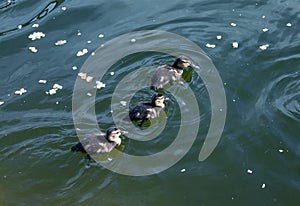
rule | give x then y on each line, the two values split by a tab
282	96
14	23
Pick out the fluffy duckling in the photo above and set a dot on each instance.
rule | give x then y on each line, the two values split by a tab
168	74
147	110
100	143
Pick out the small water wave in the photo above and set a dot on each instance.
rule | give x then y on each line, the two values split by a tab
14	22
282	97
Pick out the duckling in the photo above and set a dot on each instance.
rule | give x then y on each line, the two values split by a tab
100	143
168	74
147	110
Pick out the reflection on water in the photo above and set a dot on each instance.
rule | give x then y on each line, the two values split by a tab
262	88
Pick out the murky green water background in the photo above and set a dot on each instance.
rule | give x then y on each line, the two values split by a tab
262	89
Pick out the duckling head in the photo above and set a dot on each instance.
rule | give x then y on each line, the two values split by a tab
158	100
113	135
182	62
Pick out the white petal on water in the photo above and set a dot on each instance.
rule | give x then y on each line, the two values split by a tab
74	68
35	25
99	85
264	47
112	73
89	79
52	91
82	75
183	170
1	102
233	24
64	8
219	37
281	150
265	29
249	171
210	45
263	186
57	86
289	24
60	42
101	36
235	45
21	91
32	49
123	103
42	81
132	40
36	35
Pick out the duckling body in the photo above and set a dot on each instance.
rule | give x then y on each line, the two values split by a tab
168	74
147	110
99	143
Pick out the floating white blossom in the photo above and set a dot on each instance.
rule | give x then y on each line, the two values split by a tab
123	103
280	150
20	26
81	53
35	25
82	75
1	102
36	35
99	85
89	41
264	47
60	42
289	24
57	86
182	170
249	171
233	24
219	37
89	94
235	45
33	49
42	81
210	45
78	33
133	40
52	91
101	36
21	91
74	68
263	186
265	29
89	79
112	73
64	8
263	16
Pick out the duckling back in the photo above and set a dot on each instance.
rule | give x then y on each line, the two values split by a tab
164	75
94	144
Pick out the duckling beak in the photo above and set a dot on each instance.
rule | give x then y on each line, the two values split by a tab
124	132
194	66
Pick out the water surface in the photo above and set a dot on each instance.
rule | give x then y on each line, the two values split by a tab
262	89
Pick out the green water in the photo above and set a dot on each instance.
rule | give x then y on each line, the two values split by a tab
262	89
